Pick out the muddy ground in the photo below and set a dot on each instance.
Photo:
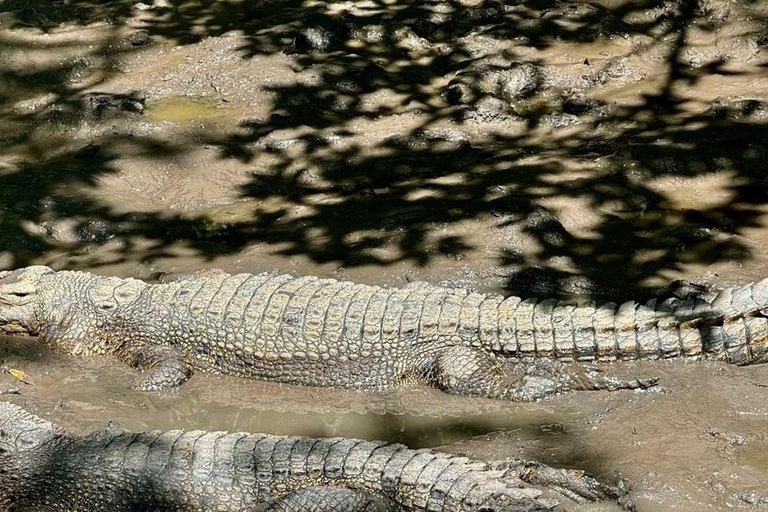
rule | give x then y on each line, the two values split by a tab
601	149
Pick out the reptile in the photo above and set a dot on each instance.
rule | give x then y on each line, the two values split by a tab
43	468
324	332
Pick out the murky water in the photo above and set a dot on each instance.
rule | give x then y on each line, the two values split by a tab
179	109
699	444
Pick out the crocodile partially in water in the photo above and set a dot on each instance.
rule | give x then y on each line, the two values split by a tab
323	332
43	468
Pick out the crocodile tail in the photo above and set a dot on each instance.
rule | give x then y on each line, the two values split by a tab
737	330
731	327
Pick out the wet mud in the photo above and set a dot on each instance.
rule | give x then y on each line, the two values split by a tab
697	443
572	149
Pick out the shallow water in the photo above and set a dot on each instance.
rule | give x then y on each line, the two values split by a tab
181	108
700	443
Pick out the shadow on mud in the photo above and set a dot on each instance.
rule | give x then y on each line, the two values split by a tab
362	199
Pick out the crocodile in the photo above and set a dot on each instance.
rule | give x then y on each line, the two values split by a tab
44	468
324	332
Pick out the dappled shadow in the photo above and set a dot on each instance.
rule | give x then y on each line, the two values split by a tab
400	191
482	131
49	175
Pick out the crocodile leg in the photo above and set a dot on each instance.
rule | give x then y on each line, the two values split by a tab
166	366
466	371
574	484
330	499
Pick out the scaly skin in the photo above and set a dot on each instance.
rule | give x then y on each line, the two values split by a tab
44	469
323	332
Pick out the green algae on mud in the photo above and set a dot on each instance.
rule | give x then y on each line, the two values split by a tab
182	108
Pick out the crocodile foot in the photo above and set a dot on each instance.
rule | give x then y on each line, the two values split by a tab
543	378
576	485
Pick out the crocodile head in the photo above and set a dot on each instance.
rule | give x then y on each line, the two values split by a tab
18	299
27	446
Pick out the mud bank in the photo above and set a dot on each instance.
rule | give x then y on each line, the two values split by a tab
601	149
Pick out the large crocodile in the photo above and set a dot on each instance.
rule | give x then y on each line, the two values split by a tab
323	332
43	468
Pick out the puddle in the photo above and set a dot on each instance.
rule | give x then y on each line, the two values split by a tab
182	108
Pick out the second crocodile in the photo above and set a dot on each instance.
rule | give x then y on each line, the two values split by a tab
43	468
